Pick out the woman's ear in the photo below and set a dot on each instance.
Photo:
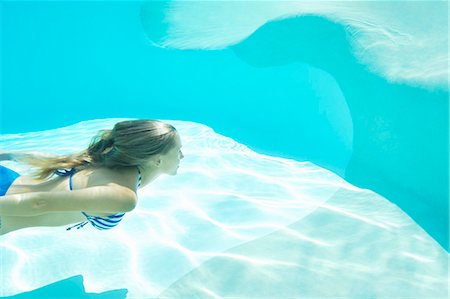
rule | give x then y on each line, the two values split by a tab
156	161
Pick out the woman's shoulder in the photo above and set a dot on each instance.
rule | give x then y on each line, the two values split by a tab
81	178
125	176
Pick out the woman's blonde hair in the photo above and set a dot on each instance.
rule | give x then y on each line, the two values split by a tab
129	143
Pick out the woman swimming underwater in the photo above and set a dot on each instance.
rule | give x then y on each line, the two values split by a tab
96	186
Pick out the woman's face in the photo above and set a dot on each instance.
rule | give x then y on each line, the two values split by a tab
170	162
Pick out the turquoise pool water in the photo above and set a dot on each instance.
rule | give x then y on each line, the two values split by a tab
315	137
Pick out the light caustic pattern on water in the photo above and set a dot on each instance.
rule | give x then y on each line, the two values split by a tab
232	222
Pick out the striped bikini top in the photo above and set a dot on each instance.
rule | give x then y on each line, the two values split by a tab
100	223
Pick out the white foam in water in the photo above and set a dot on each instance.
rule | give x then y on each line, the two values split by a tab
231	223
403	41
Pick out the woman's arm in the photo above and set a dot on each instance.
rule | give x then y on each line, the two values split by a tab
21	156
22	204
110	198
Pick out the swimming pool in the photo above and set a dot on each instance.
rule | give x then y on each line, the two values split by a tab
315	137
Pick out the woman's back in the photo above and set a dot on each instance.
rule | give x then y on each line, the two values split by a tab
85	178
